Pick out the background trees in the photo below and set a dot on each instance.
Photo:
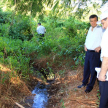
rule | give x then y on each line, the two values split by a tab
66	22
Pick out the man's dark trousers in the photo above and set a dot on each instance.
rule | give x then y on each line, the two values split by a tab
41	36
92	60
103	87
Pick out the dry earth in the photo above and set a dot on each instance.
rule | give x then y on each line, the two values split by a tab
63	92
74	97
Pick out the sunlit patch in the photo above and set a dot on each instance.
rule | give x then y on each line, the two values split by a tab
15	80
13	7
4	8
4	69
50	76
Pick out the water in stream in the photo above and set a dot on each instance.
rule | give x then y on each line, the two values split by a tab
41	97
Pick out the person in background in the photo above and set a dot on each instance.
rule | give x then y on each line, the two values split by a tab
92	57
103	84
41	30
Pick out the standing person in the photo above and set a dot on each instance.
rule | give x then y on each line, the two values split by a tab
103	85
41	30
92	58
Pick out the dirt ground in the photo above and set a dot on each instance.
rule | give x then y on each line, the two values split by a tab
69	96
63	92
12	88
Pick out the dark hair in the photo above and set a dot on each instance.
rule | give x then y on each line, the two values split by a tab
39	23
93	16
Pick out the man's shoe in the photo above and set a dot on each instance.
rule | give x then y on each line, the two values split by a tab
87	91
80	86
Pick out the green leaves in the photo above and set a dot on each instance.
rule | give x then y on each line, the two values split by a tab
21	29
20	44
28	6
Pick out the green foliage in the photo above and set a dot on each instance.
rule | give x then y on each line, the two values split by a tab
4	77
20	29
70	27
5	17
98	95
84	13
62	103
59	40
12	54
20	44
25	6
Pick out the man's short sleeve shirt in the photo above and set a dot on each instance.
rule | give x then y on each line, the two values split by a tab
41	29
93	38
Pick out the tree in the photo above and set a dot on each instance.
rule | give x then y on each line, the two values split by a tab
27	6
36	6
84	11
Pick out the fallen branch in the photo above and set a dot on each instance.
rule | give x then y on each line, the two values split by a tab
19	105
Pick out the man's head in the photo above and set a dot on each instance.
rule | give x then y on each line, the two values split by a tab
93	20
104	19
39	24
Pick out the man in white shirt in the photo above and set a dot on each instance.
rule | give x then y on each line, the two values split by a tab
92	58
103	84
41	30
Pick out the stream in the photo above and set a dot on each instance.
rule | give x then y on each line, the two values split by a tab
41	97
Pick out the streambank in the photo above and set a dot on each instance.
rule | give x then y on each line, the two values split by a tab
43	94
49	95
62	93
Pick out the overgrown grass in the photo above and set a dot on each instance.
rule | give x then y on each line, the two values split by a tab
20	43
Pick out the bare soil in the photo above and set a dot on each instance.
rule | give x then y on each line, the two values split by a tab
12	88
63	93
69	96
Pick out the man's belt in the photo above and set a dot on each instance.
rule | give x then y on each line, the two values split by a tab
90	50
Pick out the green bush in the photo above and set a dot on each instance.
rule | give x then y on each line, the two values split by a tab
5	17
21	29
63	38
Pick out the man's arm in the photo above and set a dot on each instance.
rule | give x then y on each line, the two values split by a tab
97	49
104	69
85	48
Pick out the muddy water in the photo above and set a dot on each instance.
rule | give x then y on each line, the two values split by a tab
41	98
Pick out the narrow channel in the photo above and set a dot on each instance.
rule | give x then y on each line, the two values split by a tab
41	97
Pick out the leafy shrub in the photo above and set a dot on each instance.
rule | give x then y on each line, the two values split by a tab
5	17
64	38
21	30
